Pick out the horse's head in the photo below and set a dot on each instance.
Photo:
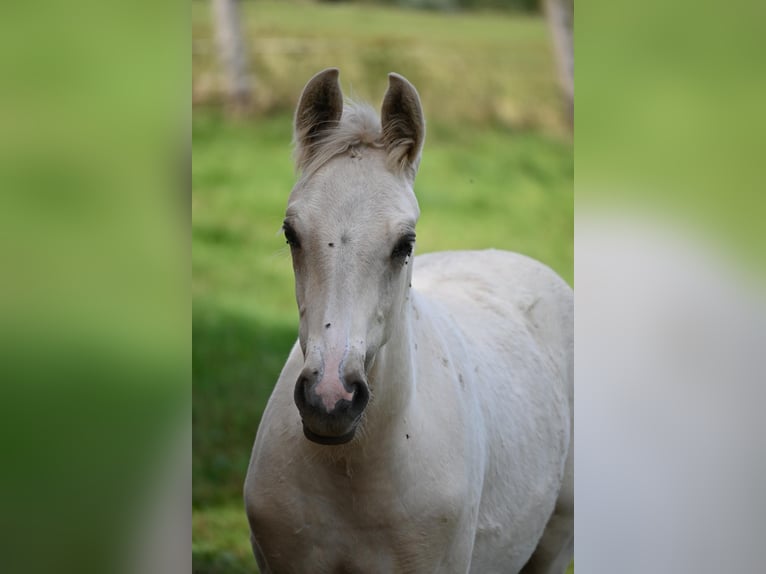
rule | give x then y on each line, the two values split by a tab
350	223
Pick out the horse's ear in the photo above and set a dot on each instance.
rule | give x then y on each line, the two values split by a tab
404	128
319	110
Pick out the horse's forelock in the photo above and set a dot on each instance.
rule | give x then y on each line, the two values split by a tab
359	125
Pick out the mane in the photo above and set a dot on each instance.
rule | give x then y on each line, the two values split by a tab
359	125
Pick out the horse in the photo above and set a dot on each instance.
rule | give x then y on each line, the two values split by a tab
423	421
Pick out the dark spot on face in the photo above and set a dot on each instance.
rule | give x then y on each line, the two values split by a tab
344	238
408	436
331	245
460	378
416	346
445	362
327	325
316	372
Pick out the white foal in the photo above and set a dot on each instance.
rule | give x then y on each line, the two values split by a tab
423	421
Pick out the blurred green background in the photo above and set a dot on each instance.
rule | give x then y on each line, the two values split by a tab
497	171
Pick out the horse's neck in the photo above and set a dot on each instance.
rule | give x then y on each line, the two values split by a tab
393	378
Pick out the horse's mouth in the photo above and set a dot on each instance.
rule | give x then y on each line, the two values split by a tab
329	440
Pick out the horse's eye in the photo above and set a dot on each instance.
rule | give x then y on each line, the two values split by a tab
403	248
290	236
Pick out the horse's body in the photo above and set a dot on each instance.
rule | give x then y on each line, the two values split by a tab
462	461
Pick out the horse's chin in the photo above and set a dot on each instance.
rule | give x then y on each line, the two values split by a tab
329	440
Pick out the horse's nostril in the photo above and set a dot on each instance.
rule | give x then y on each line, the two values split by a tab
361	395
302	394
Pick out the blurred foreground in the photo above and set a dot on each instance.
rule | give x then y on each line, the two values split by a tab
670	261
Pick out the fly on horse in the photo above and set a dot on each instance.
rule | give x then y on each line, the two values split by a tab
423	421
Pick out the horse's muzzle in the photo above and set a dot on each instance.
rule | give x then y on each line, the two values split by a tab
330	422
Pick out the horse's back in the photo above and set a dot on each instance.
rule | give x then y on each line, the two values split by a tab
505	286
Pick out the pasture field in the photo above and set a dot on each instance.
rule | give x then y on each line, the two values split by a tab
490	69
489	178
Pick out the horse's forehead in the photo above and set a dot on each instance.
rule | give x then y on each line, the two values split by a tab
358	187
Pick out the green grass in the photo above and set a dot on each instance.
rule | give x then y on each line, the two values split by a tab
221	541
482	183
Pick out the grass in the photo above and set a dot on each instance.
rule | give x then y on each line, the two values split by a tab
482	183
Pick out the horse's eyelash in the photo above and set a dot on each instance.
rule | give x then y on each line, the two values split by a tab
290	236
403	247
